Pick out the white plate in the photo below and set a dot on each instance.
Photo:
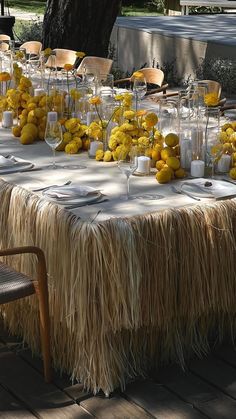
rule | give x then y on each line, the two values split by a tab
80	200
16	167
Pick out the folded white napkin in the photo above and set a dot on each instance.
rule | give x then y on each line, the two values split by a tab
70	191
6	161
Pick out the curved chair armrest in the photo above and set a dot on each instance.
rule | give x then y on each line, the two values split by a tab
42	271
157	90
228	107
117	82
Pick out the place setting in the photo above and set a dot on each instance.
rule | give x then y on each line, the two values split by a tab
12	164
71	196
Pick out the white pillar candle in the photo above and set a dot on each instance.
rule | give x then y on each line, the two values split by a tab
94	146
52	117
143	165
197	168
38	92
223	164
197	142
7	119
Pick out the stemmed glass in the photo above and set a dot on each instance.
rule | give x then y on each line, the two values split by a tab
53	137
139	90
128	163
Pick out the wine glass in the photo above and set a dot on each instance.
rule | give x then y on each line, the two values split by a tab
139	90
128	163
53	137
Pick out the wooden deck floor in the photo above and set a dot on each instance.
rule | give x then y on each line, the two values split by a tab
207	390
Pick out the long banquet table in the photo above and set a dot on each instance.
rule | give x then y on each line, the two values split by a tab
132	283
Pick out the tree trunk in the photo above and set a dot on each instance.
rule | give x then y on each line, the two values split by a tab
80	25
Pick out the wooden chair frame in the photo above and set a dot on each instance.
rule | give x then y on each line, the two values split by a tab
41	290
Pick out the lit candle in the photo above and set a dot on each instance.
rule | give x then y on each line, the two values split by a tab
143	165
7	119
223	164
197	168
94	146
52	117
38	92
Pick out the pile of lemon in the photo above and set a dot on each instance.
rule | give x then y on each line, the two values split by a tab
168	160
32	119
228	139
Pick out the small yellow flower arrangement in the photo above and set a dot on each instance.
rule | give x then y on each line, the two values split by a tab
211	99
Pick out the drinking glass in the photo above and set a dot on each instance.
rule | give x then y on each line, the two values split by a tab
53	137
128	163
139	90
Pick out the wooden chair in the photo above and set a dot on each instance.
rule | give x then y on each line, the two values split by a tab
32	47
4	46
153	76
63	56
4	37
15	285
102	65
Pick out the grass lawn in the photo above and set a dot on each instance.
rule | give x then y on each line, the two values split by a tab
33	6
38	6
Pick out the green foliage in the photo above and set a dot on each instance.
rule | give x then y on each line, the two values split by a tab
28	30
170	71
222	70
33	6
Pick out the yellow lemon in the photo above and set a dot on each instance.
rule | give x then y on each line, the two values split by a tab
223	137
226	126
167	152
39	112
16	131
171	139
160	164
163	176
234	157
148	152
78	142
23	121
67	137
99	155
26	138
24	112
31	106
229	131
156	155
169	169
180	173
173	163
32	119
61	146
232	173
30	128
233	124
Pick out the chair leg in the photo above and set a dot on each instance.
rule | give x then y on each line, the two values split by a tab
41	289
45	330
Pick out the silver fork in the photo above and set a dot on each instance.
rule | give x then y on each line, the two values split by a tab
181	192
45	188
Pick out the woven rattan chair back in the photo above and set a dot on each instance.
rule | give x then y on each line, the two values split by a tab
15	285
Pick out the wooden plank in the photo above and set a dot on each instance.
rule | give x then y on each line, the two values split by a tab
114	408
226	353
160	402
45	400
204	397
11	408
216	372
63	382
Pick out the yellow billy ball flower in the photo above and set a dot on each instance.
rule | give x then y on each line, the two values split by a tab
68	67
129	114
47	52
99	155
138	75
71	148
80	54
107	156
211	99
151	119
5	76
96	100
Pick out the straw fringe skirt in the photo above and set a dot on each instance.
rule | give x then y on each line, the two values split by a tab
125	294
